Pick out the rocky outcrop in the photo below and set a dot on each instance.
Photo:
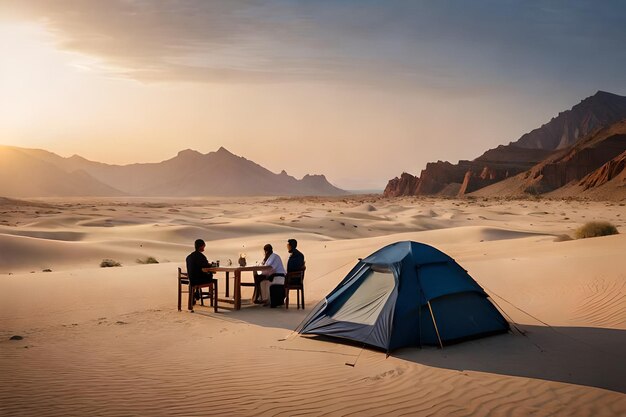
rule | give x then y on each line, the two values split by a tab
497	164
438	175
612	170
405	185
440	178
605	183
578	162
487	176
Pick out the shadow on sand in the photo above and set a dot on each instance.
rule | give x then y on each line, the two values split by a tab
258	315
578	355
593	357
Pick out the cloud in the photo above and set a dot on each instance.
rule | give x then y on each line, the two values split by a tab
439	45
189	40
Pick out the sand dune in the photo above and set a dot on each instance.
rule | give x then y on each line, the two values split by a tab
115	340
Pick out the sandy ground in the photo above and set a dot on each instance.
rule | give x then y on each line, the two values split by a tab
109	341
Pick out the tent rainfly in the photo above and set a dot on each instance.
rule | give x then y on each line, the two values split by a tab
406	294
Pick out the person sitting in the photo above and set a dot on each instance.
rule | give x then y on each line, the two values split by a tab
294	263
274	276
195	262
296	258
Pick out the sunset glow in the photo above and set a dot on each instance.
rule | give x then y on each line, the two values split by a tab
119	82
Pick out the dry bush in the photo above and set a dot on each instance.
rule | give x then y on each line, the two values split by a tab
148	260
107	263
596	229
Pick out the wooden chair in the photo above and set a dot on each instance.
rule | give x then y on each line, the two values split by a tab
295	281
211	294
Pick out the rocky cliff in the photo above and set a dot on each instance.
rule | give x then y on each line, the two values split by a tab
613	170
600	110
405	185
593	162
593	113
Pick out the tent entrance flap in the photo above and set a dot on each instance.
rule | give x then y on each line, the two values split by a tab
369	298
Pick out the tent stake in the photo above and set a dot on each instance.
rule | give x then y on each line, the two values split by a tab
435	323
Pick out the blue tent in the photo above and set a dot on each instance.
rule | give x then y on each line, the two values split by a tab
406	294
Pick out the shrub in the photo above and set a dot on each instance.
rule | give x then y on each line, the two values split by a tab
562	238
595	229
107	263
148	260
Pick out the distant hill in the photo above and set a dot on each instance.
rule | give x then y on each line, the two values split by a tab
190	173
27	174
505	161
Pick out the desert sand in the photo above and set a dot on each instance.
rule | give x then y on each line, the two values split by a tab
110	341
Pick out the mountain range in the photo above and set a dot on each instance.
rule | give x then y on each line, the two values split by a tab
556	155
39	173
580	152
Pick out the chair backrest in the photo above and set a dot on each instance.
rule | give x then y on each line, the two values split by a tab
295	278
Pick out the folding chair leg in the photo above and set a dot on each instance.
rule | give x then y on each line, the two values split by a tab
190	298
179	296
214	298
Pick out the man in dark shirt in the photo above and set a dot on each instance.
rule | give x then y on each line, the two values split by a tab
294	263
296	258
195	262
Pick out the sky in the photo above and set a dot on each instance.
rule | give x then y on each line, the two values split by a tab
358	90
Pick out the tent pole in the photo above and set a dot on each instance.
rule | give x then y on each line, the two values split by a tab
435	323
419	318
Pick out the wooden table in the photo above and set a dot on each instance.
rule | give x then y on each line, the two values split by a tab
237	270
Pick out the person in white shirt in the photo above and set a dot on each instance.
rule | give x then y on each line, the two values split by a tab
275	276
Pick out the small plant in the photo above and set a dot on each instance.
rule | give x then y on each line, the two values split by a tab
107	263
596	229
148	260
562	238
